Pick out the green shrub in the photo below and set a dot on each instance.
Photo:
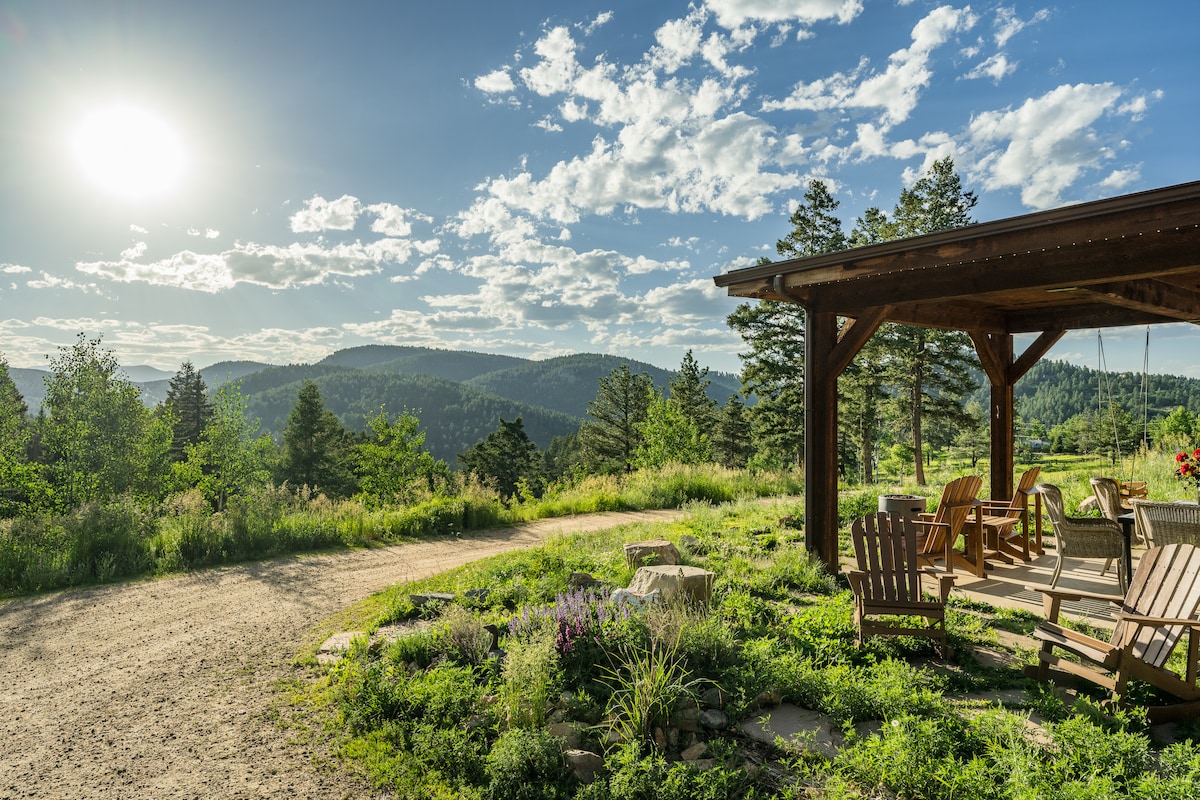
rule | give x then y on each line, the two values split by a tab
527	765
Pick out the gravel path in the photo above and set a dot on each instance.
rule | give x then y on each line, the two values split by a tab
169	688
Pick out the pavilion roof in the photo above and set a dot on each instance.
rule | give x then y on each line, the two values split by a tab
1128	260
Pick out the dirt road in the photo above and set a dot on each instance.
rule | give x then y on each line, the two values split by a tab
168	688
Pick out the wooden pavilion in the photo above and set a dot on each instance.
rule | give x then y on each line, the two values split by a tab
1128	260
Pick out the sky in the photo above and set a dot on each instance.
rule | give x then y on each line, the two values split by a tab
275	181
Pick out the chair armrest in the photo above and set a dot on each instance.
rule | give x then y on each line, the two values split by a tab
1074	594
1158	622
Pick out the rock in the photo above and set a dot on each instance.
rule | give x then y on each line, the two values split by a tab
797	727
584	764
771	697
695	752
714	718
713	697
581	580
634	599
419	600
660	739
567	731
686	719
691	543
337	644
672	581
651	553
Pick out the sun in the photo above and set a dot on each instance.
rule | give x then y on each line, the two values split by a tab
129	152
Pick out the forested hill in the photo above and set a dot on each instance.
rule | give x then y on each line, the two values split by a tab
1054	391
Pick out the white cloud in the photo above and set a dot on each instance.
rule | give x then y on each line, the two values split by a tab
137	251
736	13
277	267
48	281
996	67
1120	178
320	214
1008	25
1137	107
210	233
392	220
548	124
137	229
1045	144
495	82
557	68
14	269
894	92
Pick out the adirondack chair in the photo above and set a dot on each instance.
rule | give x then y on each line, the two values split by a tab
1158	609
937	533
1083	537
887	581
1004	540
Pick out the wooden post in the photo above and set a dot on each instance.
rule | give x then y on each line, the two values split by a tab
820	437
1002	421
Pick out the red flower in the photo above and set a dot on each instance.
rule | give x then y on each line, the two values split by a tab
1180	457
1196	453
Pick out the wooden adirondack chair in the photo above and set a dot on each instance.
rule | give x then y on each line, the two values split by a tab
887	581
1001	519
937	533
1158	609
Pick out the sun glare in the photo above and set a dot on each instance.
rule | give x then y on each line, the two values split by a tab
128	152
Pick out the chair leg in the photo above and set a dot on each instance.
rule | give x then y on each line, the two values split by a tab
1107	564
1057	570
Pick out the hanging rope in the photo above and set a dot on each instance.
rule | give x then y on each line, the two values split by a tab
1103	382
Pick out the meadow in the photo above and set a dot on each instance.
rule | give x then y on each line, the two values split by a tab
445	710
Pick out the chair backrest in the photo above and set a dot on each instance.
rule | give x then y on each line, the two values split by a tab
885	548
1020	499
1167	523
953	509
1108	495
1052	501
1165	585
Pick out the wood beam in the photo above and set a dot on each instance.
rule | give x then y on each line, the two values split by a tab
820	438
853	335
1033	353
1078	264
1151	296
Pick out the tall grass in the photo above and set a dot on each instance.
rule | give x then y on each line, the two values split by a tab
122	539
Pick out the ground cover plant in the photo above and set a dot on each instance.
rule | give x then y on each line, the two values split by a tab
655	695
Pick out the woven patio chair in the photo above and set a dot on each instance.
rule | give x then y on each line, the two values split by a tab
1083	537
1167	523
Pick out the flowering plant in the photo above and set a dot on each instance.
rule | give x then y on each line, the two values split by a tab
1188	470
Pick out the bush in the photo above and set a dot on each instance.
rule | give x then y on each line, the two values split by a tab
527	765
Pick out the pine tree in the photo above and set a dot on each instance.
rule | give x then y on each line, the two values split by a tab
689	393
610	437
189	407
316	448
731	444
506	458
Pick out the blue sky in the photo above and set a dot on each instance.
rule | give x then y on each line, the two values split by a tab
535	179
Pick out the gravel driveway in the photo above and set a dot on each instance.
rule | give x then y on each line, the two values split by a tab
169	688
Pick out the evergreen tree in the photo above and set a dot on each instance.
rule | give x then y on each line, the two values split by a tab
189	408
610	437
506	458
316	448
936	202
689	393
731	443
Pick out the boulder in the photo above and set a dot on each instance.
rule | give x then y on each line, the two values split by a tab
797	727
693	583
651	552
584	764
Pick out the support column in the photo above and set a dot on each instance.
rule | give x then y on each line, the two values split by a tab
820	437
1001	417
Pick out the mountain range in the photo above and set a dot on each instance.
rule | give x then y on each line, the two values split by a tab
460	396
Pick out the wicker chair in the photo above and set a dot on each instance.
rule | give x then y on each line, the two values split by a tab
1167	523
1083	537
1112	505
